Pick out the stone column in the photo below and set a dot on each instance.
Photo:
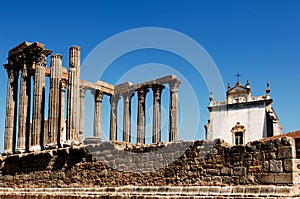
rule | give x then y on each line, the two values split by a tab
24	108
127	116
63	135
114	99
173	134
81	118
98	114
73	95
141	115
11	111
54	100
38	104
156	134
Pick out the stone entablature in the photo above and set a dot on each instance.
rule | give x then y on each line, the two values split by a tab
27	65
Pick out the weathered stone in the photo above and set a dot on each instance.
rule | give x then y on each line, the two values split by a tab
38	104
213	171
266	166
216	179
173	134
265	178
126	116
226	171
238	190
285	152
226	190
283	178
98	95
270	155
250	147
114	100
73	95
54	120
169	172
287	141
269	190
252	190
258	156
255	169
141	115
276	166
239	171
227	179
156	130
288	165
203	191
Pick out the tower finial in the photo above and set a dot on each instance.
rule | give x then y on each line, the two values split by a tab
268	90
211	97
247	84
228	86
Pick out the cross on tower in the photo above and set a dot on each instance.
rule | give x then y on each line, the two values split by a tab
238	76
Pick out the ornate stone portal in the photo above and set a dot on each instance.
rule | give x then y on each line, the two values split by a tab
29	62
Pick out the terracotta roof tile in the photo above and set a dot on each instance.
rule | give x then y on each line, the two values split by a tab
294	134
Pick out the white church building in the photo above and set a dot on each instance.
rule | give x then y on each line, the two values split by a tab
241	117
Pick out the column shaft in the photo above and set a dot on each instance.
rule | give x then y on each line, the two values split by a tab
156	134
98	114
63	135
127	116
11	111
24	109
113	117
73	95
54	100
173	134
141	115
38	105
81	124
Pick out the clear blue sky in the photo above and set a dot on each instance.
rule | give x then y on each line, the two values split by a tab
258	38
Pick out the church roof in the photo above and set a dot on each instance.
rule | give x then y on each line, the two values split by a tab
294	134
241	94
238	89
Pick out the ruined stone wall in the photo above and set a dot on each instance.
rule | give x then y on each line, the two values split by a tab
198	163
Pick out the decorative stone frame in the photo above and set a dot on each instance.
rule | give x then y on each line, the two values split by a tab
238	128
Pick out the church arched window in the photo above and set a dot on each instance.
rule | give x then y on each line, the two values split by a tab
238	134
238	138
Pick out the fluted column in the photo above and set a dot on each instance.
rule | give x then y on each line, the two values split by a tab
173	134
73	95
114	99
127	116
141	115
24	108
156	134
63	135
81	118
38	104
98	114
54	100
11	111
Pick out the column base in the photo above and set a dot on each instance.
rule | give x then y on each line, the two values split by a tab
92	140
35	148
51	146
20	150
70	143
7	152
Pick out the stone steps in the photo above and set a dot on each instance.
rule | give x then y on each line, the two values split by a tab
225	192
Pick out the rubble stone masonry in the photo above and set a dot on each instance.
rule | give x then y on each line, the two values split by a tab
203	164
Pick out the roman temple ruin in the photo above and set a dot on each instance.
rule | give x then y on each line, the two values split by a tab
27	129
